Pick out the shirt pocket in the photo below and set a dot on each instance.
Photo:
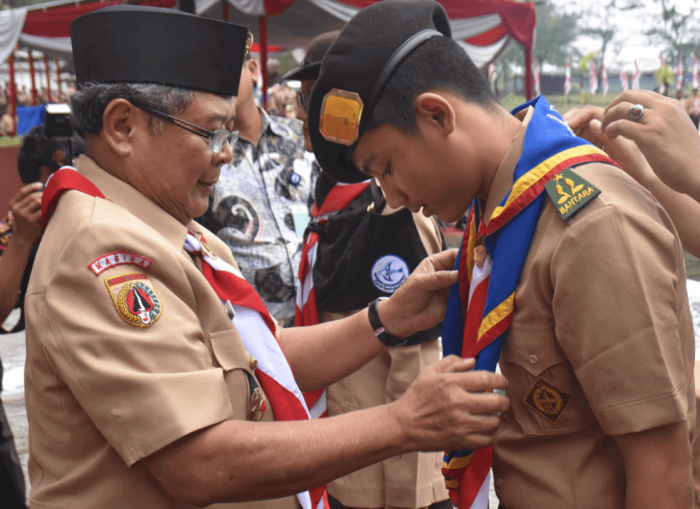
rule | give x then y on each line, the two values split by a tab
545	396
231	356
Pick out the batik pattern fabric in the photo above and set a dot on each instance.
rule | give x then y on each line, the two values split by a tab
260	207
6	228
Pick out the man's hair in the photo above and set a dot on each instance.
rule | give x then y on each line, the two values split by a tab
31	155
37	151
438	64
89	103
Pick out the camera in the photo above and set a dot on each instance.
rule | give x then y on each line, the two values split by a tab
49	146
59	132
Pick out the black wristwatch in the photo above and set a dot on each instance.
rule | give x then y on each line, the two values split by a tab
378	327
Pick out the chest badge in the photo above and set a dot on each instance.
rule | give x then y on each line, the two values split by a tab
570	193
135	298
389	272
546	399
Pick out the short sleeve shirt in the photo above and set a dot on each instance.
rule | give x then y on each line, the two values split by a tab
128	350
601	344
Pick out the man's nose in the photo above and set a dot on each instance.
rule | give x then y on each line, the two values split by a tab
225	156
395	198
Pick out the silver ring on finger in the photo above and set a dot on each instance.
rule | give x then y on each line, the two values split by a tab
635	113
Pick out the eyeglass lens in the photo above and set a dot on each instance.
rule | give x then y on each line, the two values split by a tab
221	137
303	100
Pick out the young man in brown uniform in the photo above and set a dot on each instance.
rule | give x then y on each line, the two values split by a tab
594	334
150	360
357	249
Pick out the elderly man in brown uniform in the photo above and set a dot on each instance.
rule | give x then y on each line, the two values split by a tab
582	297
148	355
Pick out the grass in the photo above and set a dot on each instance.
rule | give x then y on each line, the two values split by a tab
692	266
8	141
559	101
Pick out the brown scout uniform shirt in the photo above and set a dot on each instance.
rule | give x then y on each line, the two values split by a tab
411	480
601	344
102	393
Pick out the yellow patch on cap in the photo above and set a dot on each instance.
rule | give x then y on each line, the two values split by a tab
340	116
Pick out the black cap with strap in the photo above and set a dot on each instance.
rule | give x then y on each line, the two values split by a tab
355	71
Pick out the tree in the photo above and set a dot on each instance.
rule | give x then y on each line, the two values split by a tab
556	32
678	28
600	23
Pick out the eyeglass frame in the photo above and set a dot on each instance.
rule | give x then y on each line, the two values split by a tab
303	100
206	133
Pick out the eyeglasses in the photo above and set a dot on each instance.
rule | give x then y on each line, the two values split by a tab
303	100
217	139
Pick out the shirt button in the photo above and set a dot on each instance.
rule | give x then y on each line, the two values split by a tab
533	359
253	363
498	482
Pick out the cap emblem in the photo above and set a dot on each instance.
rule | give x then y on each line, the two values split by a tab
248	44
341	112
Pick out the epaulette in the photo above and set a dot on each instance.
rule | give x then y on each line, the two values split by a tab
570	193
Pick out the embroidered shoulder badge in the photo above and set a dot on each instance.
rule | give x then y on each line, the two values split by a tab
135	298
547	400
118	258
569	193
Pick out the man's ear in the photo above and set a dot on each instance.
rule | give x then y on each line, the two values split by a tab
119	125
253	69
436	111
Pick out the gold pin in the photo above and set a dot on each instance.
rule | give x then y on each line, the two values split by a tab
206	251
248	44
253	363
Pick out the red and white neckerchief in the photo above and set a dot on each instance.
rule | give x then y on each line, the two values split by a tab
478	489
257	331
306	313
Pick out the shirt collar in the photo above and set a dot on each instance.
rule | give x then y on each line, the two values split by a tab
503	178
126	196
273	124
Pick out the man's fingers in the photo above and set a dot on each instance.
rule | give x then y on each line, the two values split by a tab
454	364
629	130
619	112
444	260
579	120
26	191
480	381
632	97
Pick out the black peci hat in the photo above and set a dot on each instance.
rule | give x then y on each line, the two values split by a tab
311	65
355	70
132	44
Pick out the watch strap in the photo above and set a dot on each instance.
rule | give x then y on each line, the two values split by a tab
378	327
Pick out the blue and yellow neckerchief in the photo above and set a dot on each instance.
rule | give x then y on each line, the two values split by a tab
549	147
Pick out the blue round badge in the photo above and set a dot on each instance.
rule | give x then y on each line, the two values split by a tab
294	179
388	272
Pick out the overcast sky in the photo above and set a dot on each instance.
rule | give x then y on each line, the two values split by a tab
629	43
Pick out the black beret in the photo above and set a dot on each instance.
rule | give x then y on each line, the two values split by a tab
311	65
361	61
132	44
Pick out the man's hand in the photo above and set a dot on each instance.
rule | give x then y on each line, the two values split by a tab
451	407
26	211
665	135
421	300
586	123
